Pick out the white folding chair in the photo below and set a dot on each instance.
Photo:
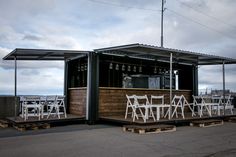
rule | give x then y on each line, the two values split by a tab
216	104
186	104
228	104
143	104
177	102
199	102
31	106
131	104
158	102
56	105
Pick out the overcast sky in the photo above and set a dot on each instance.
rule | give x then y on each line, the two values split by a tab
206	26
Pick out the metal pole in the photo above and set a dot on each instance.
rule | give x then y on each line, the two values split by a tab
162	12
15	94
170	85
223	70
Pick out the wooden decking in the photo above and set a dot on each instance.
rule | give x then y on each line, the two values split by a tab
51	119
176	121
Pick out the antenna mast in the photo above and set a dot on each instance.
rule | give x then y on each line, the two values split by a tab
162	12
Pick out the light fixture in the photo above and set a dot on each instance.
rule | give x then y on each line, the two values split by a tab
82	68
134	69
79	68
117	66
123	67
155	70
140	69
129	68
110	66
85	67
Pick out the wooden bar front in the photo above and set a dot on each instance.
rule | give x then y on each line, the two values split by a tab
112	101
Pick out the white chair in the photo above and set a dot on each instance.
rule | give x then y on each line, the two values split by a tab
177	102
201	105
186	104
158	103
131	104
228	104
56	105
31	106
216	104
142	103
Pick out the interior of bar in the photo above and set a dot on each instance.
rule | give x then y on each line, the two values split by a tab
121	75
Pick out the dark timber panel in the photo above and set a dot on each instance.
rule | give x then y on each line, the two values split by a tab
112	101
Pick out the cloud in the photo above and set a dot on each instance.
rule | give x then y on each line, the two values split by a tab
87	25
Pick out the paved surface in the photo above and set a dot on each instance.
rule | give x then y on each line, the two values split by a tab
111	141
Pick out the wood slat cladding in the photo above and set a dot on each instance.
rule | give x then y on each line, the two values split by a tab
112	101
77	101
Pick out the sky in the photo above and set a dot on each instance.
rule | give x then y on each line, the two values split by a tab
205	26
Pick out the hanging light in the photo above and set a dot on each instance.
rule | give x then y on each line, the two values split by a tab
140	69
111	66
82	68
123	67
134	69
85	67
117	66
129	68
160	71
79	68
155	70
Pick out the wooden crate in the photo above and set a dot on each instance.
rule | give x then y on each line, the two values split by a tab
3	123
31	126
207	123
147	129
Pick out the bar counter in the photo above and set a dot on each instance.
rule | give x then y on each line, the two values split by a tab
112	101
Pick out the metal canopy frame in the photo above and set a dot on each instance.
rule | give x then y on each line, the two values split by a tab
42	54
163	54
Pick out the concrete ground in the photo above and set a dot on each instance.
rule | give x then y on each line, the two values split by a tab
111	141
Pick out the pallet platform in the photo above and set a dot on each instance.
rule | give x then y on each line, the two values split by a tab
207	123
232	119
3	123
147	129
31	126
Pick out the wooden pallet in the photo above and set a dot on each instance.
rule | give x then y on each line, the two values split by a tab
207	123
3	123
232	119
147	129
31	126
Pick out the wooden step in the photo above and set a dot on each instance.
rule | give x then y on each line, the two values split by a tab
147	129
4	123
207	123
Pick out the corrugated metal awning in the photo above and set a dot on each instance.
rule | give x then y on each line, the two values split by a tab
163	54
44	54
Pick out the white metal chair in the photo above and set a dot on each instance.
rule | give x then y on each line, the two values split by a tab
56	105
143	104
201	105
158	102
177	102
31	106
131	104
228	104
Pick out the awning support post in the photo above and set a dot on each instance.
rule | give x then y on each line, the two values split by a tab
170	85
15	90
223	70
